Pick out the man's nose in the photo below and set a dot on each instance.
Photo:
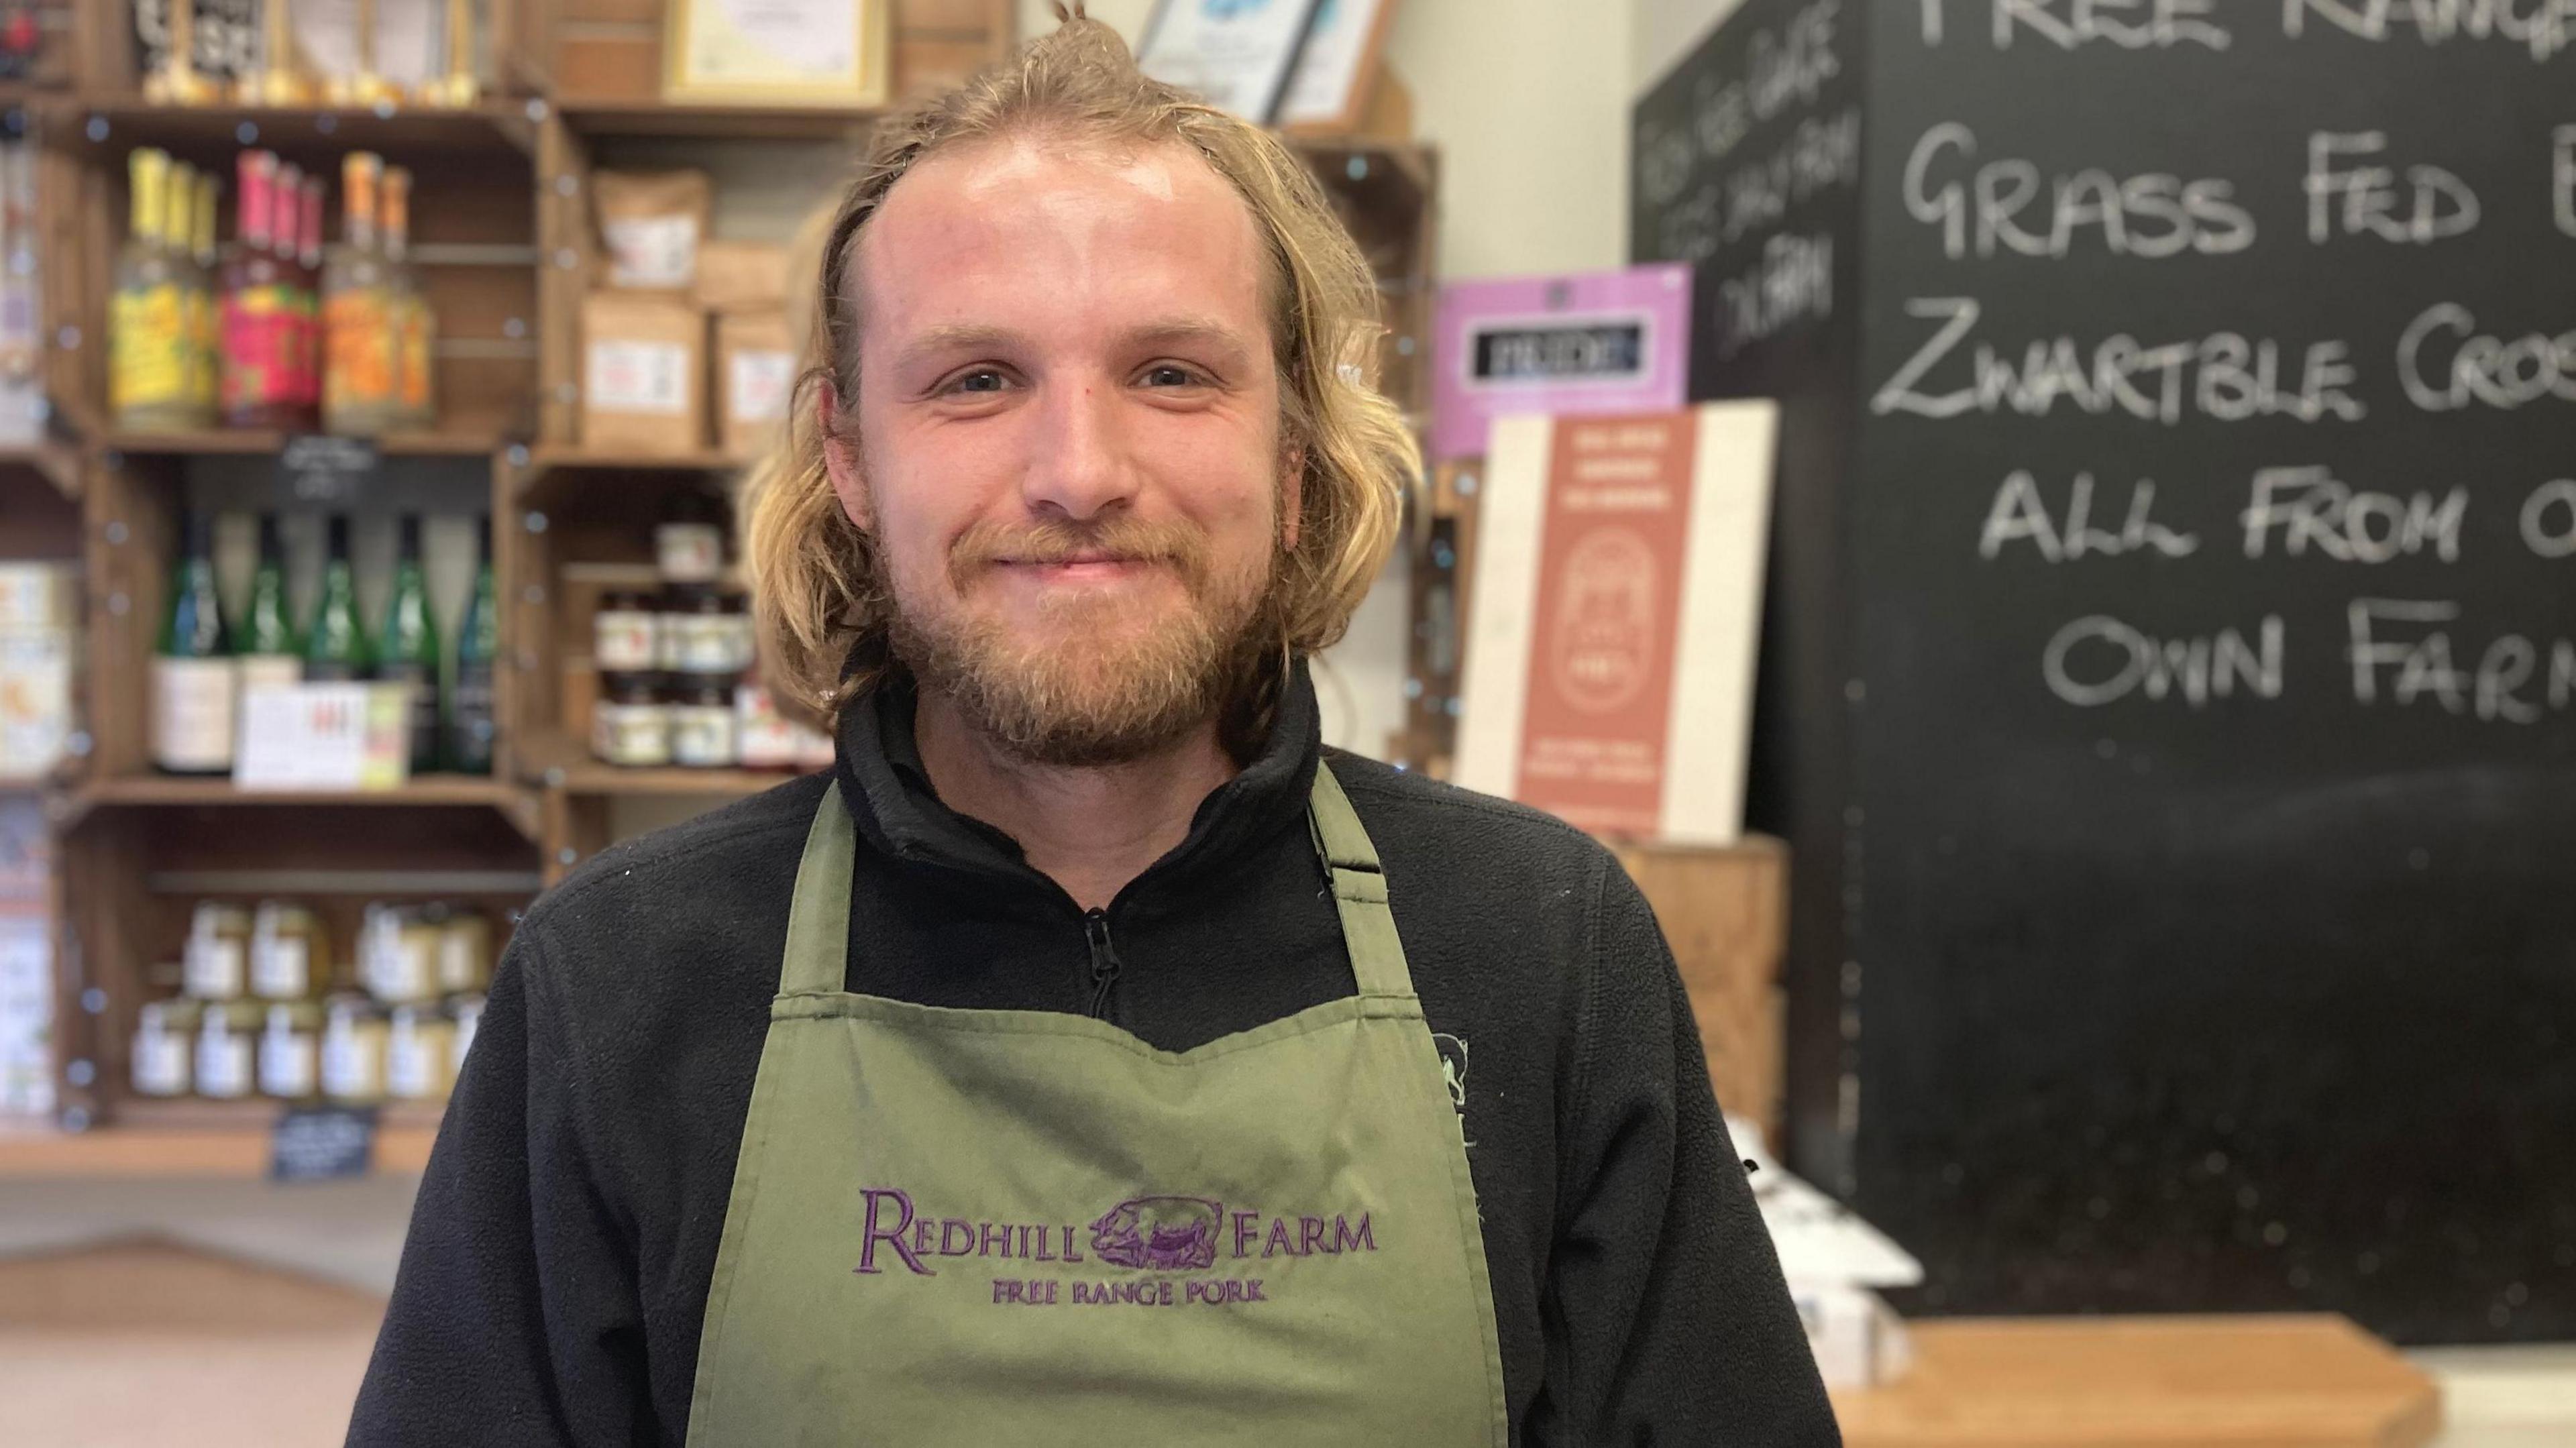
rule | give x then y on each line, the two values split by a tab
1081	467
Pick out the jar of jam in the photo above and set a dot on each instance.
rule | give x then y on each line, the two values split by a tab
290	1051
702	728
420	1054
289	957
216	963
227	1050
354	1037
631	725
626	633
465	952
689	542
164	1060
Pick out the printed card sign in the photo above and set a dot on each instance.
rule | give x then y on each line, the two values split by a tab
324	736
1616	341
1617	605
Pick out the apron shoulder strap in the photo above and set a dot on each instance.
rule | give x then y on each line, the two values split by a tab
817	959
1359	889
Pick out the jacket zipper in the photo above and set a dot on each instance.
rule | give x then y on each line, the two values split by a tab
1104	961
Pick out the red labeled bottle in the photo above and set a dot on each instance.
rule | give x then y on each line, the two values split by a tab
262	310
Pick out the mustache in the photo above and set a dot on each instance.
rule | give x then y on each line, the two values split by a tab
1126	539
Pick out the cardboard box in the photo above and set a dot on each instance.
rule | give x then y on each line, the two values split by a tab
755	377
742	276
643	374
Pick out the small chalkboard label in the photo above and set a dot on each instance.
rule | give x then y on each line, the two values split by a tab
320	469
1576	351
320	1143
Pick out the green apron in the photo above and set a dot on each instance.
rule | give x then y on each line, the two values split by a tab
1006	1227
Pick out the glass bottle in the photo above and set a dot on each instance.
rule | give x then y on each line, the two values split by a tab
410	646
271	654
336	648
308	260
415	325
262	321
148	379
192	667
358	365
472	717
203	339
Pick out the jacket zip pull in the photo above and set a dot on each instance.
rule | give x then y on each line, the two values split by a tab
1104	961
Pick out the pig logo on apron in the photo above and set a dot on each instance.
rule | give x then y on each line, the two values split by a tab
1159	1234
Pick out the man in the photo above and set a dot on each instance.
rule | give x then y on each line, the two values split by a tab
1060	1068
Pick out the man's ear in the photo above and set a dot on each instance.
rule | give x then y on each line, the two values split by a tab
841	461
1292	496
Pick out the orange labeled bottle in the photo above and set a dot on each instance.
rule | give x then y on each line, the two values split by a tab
359	366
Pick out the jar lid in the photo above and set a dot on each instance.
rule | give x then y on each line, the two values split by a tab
709	694
631	688
693	598
628	600
178	1013
216	914
352	1006
234	1015
294	1016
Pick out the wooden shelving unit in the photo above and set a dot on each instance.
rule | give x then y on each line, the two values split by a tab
504	237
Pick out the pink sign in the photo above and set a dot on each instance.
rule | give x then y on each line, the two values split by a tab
1588	342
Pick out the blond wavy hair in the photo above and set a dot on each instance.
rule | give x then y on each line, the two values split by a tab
818	591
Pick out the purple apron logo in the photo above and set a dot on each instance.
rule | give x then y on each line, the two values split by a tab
1159	1234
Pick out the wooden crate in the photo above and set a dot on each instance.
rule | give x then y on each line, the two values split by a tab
1725	912
2176	1382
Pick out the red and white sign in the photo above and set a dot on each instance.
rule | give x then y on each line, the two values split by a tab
1617	606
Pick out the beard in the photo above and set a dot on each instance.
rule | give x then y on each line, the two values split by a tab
1113	678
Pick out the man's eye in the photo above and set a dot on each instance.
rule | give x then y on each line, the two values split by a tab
982	379
1169	375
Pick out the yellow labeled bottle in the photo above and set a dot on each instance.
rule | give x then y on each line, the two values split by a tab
204	319
150	386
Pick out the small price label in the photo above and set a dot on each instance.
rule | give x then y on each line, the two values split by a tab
321	469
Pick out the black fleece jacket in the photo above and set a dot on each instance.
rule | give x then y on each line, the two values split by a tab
556	1275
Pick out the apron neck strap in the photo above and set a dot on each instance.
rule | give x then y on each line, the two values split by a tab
817	961
818	922
1359	889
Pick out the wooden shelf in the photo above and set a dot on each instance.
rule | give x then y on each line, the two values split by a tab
120	123
759	123
425	790
51	461
234	1143
557	763
238	441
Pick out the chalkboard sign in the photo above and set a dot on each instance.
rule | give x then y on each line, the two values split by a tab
321	1143
318	468
2208	631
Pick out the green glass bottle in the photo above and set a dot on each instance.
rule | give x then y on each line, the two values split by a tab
336	650
271	654
471	720
192	668
410	646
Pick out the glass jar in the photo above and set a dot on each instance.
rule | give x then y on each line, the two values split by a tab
630	725
420	1054
164	1060
216	963
290	959
702	728
290	1051
227	1050
402	945
626	633
468	1011
465	952
689	542
354	1036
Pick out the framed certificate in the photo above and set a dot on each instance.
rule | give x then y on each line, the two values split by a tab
821	53
1239	54
1337	73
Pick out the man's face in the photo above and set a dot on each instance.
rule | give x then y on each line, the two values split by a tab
1068	442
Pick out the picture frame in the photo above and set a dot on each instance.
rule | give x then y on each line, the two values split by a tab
1239	54
1337	74
779	53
